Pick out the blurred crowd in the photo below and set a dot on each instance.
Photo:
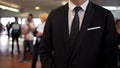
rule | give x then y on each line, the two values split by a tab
29	31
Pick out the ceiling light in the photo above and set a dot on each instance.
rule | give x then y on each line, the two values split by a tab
63	2
37	8
14	5
9	8
112	7
9	4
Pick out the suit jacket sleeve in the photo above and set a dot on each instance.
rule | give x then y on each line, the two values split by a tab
46	49
110	43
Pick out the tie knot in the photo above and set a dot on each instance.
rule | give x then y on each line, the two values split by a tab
77	9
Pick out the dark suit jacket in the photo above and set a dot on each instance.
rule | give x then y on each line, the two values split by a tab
95	48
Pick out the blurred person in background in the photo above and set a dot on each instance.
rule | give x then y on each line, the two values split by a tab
16	32
1	27
38	33
118	31
27	30
8	29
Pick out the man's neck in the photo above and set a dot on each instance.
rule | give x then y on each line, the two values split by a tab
78	2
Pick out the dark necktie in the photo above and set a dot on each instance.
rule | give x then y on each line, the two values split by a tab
74	28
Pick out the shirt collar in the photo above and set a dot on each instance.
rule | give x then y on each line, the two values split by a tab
83	6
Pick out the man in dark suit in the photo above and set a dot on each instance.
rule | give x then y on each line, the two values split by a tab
79	34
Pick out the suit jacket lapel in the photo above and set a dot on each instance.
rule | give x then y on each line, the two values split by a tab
85	24
65	30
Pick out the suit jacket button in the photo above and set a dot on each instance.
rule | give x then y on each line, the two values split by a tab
70	67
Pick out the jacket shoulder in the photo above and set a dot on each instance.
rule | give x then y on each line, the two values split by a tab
99	8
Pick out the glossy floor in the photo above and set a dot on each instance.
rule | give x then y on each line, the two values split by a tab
12	61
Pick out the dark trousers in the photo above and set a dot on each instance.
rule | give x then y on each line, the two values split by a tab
13	39
8	31
35	55
35	58
27	44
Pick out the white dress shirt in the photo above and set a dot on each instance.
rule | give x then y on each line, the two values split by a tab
15	26
71	13
40	28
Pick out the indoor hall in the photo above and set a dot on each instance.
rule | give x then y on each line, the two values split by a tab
22	8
